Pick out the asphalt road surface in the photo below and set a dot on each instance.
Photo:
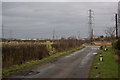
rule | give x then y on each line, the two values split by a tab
74	65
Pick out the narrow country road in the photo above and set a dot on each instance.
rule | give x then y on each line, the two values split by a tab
75	65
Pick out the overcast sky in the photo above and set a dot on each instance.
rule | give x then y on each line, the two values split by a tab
38	19
60	0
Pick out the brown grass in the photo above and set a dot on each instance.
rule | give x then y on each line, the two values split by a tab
19	53
62	45
102	43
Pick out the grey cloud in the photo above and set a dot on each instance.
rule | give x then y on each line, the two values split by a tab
38	19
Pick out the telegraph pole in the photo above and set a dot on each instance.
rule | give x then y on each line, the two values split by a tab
90	25
116	21
79	35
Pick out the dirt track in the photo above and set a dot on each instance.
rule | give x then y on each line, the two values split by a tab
75	65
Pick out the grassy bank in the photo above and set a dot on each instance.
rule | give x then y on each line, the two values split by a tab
16	68
108	68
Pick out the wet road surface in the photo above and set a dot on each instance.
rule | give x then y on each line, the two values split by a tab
75	65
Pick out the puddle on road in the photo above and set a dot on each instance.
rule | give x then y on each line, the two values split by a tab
28	73
94	53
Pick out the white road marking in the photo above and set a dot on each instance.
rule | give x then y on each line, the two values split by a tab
94	53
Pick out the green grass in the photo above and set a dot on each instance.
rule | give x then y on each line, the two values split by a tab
106	69
17	68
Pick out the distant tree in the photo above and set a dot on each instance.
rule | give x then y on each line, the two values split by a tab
72	38
62	38
110	32
101	36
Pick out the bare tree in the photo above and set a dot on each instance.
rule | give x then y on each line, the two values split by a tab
110	32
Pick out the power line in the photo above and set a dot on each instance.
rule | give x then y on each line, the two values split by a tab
78	36
53	35
90	24
2	32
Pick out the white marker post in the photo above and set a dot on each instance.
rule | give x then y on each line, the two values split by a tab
101	57
105	48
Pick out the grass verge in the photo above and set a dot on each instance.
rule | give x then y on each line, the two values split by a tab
17	68
108	68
